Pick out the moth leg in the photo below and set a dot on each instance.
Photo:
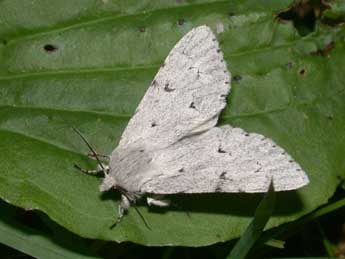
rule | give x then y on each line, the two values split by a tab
124	205
157	200
101	156
96	171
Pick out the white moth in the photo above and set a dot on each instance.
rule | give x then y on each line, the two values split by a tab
171	144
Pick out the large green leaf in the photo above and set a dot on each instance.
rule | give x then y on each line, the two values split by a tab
87	63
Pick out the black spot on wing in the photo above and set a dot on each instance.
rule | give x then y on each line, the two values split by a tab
220	150
154	83
168	89
218	189
222	176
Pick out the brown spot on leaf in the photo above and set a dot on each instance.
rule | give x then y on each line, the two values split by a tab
324	52
142	29
289	65
302	71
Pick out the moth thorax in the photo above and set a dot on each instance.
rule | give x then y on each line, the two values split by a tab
108	183
127	165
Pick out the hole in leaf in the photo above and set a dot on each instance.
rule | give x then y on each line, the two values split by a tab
180	22
50	48
304	14
237	78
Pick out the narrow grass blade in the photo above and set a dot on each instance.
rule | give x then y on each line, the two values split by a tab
287	230
255	228
275	243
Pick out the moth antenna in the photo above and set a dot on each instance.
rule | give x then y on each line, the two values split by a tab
136	209
142	217
91	149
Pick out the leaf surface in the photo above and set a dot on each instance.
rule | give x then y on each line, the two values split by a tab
88	63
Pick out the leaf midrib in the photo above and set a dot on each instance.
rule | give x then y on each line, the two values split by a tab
86	23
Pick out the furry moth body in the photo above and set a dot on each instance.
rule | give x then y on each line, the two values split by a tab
171	144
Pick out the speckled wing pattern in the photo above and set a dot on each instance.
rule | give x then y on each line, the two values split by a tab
181	149
223	159
186	96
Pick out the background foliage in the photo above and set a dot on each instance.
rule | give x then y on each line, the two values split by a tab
88	63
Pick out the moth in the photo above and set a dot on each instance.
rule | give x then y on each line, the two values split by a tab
171	144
